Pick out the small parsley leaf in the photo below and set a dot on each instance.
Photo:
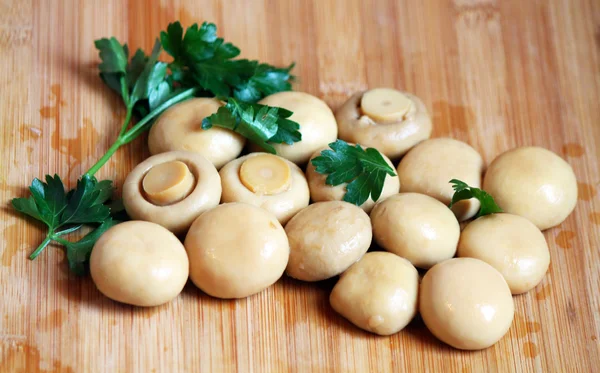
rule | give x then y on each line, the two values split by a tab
463	191
364	170
258	123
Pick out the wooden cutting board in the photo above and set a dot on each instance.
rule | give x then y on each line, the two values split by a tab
496	74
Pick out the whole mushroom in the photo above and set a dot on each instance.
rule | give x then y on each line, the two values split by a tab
172	189
180	128
139	263
386	119
316	120
267	181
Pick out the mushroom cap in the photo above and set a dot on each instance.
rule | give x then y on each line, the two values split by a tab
416	227
180	128
378	293
139	263
391	139
325	239
511	244
466	303
320	191
236	250
316	120
179	216
533	182
428	168
284	204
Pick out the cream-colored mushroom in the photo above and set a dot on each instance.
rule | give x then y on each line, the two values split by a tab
466	303
267	181
236	250
320	191
139	263
316	120
378	293
429	167
534	183
416	227
325	239
511	244
172	189
386	119
180	128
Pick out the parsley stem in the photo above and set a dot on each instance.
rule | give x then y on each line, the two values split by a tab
42	246
116	145
138	128
127	120
141	126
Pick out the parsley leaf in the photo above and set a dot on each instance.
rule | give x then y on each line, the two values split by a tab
49	203
258	123
364	170
200	57
78	253
463	191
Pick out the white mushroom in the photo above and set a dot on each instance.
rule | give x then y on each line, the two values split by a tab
180	128
316	120
236	250
378	293
466	303
267	181
139	263
386	119
511	244
416	227
534	183
325	239
172	189
429	167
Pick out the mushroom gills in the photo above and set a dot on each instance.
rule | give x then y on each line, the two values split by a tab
385	105
265	174
168	183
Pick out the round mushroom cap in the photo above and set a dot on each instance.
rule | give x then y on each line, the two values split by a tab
511	244
316	120
534	183
180	128
236	250
429	167
466	303
416	227
178	216
320	191
325	239
378	293
290	196
393	135
139	263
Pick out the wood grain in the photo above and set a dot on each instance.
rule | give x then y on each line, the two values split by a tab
496	74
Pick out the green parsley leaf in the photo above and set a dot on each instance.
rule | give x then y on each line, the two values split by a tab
200	57
258	123
78	253
463	191
113	55
49	203
364	170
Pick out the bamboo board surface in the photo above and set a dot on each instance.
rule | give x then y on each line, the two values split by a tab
496	74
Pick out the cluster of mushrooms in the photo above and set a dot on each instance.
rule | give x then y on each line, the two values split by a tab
245	225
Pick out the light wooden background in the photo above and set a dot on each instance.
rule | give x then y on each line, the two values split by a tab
494	73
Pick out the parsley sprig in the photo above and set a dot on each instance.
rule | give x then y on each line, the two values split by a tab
203	65
463	191
364	170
